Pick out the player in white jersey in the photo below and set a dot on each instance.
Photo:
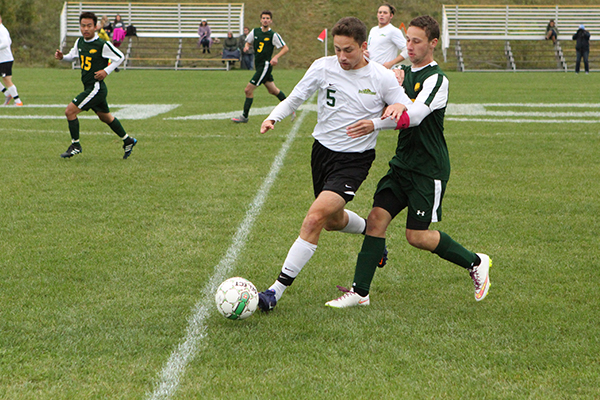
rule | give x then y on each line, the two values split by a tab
386	44
350	88
6	62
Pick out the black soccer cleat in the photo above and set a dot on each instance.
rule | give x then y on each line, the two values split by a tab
74	148
128	148
267	300
384	258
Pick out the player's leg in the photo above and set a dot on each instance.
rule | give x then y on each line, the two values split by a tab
386	206
8	88
71	113
249	93
274	90
115	125
425	207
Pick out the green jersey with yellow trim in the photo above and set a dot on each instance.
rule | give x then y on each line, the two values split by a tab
94	55
264	43
422	148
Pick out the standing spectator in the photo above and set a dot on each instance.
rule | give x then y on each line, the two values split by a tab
552	31
118	31
204	33
265	40
583	48
95	55
6	63
230	47
387	44
247	55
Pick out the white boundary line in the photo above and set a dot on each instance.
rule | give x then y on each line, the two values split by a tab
188	347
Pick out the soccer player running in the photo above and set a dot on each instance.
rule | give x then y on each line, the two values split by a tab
386	44
350	88
418	171
6	62
94	54
264	41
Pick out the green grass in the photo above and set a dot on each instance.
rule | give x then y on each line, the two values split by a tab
102	260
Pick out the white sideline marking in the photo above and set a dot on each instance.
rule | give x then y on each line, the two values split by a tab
125	111
196	329
231	114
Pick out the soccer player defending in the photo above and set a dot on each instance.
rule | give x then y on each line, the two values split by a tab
264	41
6	63
418	171
94	54
350	88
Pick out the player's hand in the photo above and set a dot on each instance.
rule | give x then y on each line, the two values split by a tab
267	125
399	75
274	61
58	55
394	111
100	75
360	128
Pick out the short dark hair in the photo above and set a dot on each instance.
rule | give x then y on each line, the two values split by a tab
428	24
351	27
266	12
89	15
391	7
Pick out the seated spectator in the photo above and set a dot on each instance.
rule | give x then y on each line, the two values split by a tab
118	31
230	47
107	25
204	34
102	34
551	31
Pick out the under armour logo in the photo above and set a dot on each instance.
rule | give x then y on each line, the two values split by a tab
421	213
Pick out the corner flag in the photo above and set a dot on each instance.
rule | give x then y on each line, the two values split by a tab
323	38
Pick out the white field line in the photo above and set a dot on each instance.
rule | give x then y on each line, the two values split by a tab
124	111
524	120
188	347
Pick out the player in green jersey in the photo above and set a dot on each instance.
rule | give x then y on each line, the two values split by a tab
264	41
98	59
418	172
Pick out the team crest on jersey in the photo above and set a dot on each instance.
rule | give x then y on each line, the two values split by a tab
92	51
367	91
417	86
267	39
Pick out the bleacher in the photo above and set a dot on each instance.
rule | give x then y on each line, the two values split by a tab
513	37
167	33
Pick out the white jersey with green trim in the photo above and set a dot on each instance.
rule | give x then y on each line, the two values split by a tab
385	43
344	97
5	42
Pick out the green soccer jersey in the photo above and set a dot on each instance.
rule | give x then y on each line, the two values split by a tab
422	148
264	44
94	55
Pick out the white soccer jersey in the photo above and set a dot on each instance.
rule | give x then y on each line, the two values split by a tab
385	43
344	98
5	42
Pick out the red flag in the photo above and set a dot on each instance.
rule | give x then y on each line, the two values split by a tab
322	35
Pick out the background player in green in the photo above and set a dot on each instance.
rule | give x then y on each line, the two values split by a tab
264	41
94	55
418	171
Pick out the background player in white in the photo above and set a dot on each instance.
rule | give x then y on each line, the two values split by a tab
350	88
6	63
386	44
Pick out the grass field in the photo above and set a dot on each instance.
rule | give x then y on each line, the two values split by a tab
107	264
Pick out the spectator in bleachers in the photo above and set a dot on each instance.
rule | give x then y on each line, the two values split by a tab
102	34
204	34
230	47
107	25
118	31
551	31
583	48
248	55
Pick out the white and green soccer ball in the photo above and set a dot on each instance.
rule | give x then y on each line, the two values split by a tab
236	298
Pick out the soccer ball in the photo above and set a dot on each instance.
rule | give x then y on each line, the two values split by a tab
236	298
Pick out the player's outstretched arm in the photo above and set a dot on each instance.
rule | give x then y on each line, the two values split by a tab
360	128
394	111
267	125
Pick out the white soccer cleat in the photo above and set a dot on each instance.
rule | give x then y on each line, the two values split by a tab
481	277
7	100
349	299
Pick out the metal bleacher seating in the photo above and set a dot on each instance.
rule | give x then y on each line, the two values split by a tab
167	33
517	34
